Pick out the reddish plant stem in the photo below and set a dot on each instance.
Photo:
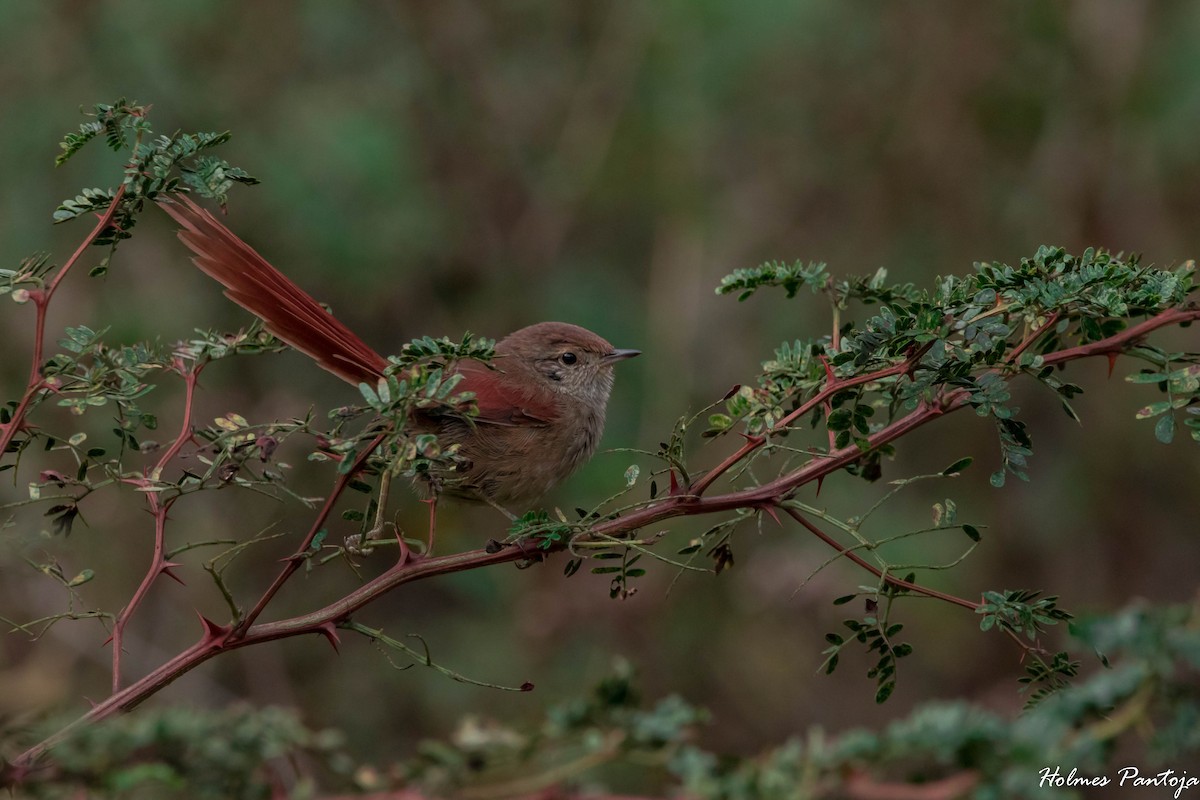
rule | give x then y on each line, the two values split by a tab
217	640
1026	646
323	621
293	562
1122	339
832	387
675	506
1111	344
874	570
817	469
41	299
159	509
1031	338
105	220
34	384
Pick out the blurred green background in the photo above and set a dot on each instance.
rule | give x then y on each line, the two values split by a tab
432	167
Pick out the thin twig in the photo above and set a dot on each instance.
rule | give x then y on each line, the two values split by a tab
871	568
159	508
1051	321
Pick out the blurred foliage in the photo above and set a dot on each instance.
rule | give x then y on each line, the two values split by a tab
238	753
607	164
611	737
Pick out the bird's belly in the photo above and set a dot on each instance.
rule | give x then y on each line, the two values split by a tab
514	465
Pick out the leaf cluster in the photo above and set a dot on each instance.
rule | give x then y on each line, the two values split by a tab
789	277
1021	611
878	637
974	334
32	272
156	165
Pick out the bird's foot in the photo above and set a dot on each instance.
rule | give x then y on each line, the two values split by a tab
530	553
363	544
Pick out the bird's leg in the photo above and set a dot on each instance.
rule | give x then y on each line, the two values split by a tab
385	485
431	501
359	543
406	553
511	516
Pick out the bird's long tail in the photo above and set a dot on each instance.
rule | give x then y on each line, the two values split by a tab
289	312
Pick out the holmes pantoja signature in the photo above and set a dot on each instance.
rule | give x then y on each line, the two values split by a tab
1126	776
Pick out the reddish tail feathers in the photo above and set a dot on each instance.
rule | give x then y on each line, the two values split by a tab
288	311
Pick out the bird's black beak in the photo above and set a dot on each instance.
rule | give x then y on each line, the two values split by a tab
618	355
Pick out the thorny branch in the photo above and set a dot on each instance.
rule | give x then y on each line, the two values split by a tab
159	509
682	501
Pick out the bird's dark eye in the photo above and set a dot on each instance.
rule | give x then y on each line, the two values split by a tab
568	358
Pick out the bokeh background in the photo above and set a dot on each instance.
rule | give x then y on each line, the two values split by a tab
434	167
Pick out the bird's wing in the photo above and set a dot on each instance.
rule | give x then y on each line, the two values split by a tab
504	401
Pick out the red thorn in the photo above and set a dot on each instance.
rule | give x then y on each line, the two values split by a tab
820	481
406	555
291	558
752	439
674	484
107	641
212	631
1112	362
328	630
771	513
829	376
166	568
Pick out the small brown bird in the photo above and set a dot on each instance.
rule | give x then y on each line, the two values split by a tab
541	409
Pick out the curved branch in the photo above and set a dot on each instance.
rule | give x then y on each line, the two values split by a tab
832	386
1122	340
41	299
